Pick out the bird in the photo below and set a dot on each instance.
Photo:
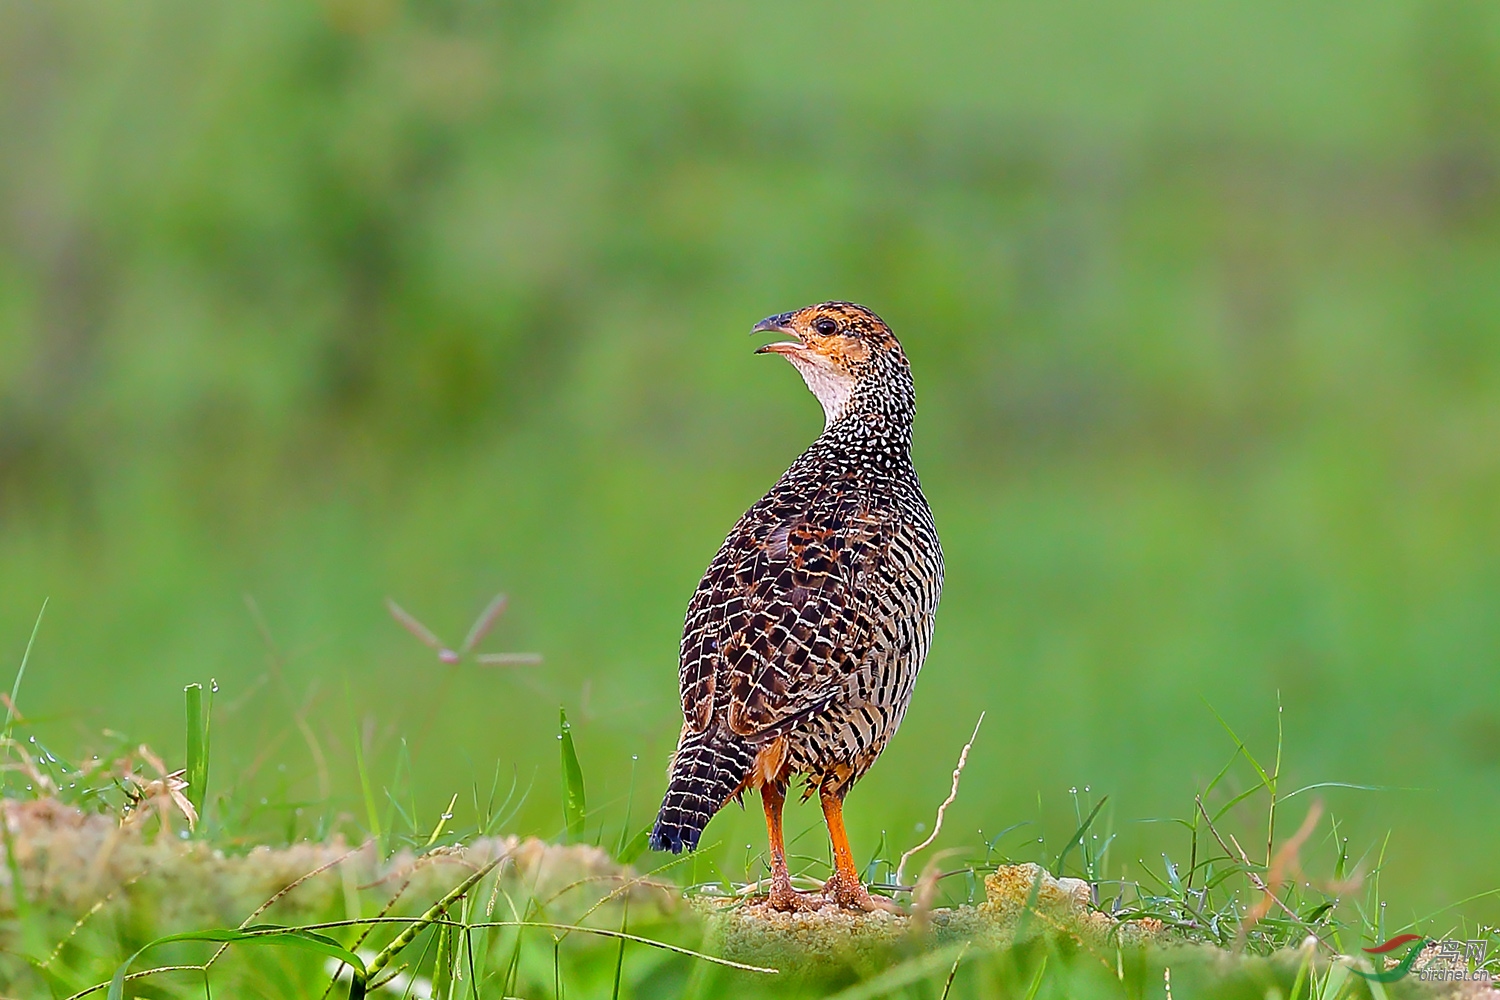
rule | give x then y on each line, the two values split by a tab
802	643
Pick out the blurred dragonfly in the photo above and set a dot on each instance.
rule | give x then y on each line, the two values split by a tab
477	632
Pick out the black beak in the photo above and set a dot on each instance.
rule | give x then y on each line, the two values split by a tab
774	324
780	323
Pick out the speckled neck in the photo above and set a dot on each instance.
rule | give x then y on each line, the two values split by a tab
874	431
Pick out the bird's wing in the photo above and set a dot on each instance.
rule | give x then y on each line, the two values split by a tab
782	614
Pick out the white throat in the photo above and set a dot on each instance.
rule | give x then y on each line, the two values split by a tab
832	387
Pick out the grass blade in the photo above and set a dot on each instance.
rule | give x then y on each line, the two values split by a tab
197	747
1026	911
574	809
1036	982
442	823
433	914
636	847
1265	779
1078	835
675	949
629	804
15	688
442	966
430	917
953	974
907	973
620	955
372	809
1343	784
290	937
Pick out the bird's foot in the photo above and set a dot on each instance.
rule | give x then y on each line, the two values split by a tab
784	898
851	894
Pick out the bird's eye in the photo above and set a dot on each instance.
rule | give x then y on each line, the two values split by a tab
826	326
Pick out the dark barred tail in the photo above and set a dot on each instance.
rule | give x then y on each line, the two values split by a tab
707	769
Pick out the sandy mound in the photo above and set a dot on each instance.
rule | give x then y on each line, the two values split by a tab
70	861
836	938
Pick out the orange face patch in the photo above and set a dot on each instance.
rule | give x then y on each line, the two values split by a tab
841	350
841	331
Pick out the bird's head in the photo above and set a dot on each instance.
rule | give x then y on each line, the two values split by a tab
839	348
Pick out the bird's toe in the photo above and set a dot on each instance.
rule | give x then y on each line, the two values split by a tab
788	900
852	895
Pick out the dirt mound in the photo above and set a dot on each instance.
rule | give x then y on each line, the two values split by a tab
70	861
1018	899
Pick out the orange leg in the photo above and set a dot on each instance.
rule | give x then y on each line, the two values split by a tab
782	895
845	887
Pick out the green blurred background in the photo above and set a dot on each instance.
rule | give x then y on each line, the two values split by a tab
323	303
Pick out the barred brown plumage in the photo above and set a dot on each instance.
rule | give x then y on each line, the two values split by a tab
803	641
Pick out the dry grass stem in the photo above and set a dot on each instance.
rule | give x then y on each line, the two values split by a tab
937	826
1283	863
163	791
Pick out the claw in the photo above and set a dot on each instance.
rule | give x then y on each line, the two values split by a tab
852	895
785	899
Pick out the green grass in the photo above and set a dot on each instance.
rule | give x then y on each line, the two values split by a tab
488	929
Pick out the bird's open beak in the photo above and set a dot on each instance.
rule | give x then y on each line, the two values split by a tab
778	324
